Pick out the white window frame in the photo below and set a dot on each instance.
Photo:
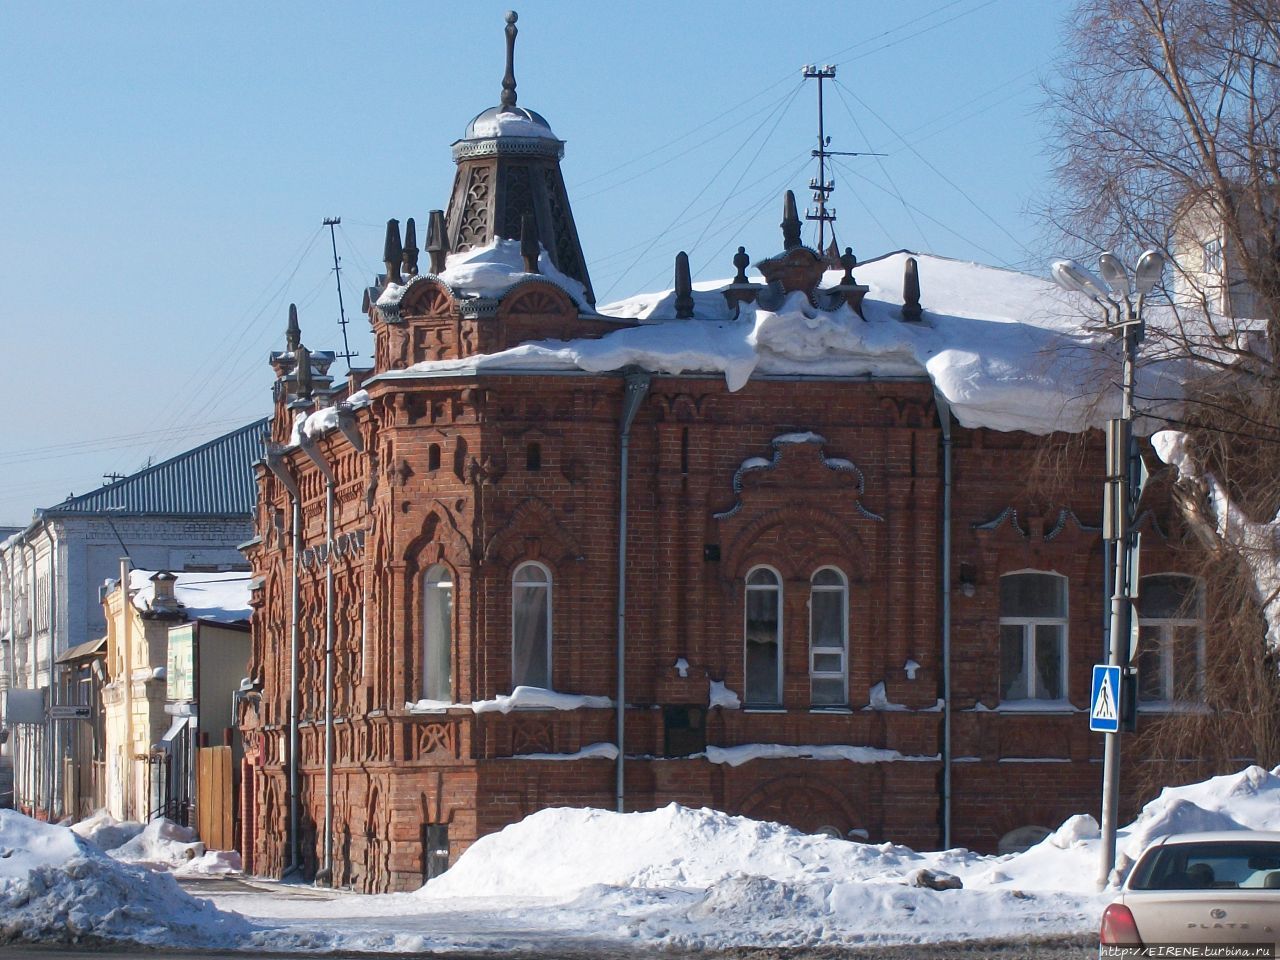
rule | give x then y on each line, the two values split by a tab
843	674
1028	625
445	582
548	585
777	588
1167	627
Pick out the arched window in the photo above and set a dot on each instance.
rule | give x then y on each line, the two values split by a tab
1033	636
1170	640
763	638
437	634
531	626
828	638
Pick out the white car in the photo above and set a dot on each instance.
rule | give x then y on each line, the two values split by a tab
1200	889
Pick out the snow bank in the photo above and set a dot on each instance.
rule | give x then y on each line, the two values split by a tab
106	832
737	756
162	845
57	887
223	597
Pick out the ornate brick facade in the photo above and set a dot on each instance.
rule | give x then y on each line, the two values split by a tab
479	471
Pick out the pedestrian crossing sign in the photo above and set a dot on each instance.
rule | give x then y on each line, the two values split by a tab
1104	700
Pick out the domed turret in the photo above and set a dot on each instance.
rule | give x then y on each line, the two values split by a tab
509	169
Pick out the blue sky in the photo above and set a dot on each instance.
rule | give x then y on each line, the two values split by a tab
166	169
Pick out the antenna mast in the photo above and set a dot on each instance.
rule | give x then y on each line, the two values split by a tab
821	186
346	353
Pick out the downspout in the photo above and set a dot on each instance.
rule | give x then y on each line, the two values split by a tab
944	420
312	450
276	464
637	386
126	645
346	423
52	725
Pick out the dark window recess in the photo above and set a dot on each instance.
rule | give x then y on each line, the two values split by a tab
684	730
711	552
684	450
435	849
533	457
433	457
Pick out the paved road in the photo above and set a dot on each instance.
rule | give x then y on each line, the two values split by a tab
1059	950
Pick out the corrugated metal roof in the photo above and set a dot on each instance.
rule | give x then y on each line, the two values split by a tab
215	479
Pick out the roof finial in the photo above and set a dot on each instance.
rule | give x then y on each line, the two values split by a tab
293	332
529	243
740	263
790	223
509	81
684	287
911	290
410	255
392	251
437	242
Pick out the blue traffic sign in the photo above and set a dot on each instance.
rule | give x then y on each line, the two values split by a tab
1104	700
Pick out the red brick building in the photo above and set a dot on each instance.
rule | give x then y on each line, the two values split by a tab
803	639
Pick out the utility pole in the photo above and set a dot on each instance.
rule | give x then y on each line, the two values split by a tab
1125	478
821	186
346	353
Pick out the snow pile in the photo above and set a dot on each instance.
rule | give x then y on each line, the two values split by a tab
718	695
223	597
211	863
106	832
162	845
55	886
321	421
1006	350
520	698
736	756
491	271
1257	543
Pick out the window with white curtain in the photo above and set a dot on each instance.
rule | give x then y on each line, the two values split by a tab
1170	640
828	638
1033	636
437	634
531	626
763	638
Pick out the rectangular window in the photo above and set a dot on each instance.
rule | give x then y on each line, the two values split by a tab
1033	636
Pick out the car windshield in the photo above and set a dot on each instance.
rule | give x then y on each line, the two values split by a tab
1211	865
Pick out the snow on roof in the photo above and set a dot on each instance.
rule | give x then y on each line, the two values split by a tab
321	421
222	597
490	271
1006	350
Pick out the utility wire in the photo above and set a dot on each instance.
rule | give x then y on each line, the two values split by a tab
782	108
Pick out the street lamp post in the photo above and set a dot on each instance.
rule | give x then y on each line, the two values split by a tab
1121	298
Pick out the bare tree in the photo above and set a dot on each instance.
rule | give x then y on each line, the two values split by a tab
1167	118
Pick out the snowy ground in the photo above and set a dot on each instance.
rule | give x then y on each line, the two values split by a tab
570	880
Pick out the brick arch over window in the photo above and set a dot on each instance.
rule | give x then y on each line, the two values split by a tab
806	803
533	532
798	540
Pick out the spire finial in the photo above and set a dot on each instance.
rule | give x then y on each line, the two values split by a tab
790	223
509	81
392	251
293	332
410	256
684	287
911	309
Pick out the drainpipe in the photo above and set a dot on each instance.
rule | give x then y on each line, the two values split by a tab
276	464
126	646
56	727
637	385
944	420
312	450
